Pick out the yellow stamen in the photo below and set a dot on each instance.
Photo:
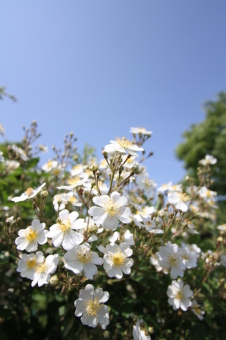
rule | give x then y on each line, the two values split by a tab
41	268
174	260
111	207
49	164
184	197
124	143
93	307
64	225
31	263
29	191
118	259
73	181
31	235
84	256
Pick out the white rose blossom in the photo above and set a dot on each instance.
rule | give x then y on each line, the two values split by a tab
123	145
169	257
179	199
80	258
28	194
116	261
20	152
195	307
44	269
30	237
208	160
138	333
74	182
28	263
179	295
63	233
140	131
126	238
49	166
111	210
90	306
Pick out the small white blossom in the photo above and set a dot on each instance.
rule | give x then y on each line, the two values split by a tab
195	307
11	165
179	199
169	257
2	159
77	170
74	182
110	210
19	152
80	258
30	237
44	269
138	333
126	238
179	295
28	263
122	145
140	131
28	194
49	166
206	193
190	256
90	306
116	261
208	160
63	231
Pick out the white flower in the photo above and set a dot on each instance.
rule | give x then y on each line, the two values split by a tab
70	198
126	238
206	193
20	152
169	257
57	202
123	145
112	209
116	260
77	169
223	260
140	131
150	226
90	306
138	333
80	258
44	269
189	255
208	160
49	166
2	159
179	295
28	263
195	307
179	199
91	228
28	194
143	215
222	227
74	182
63	231
30	237
43	148
11	165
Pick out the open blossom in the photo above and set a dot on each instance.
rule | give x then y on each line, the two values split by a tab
195	307
179	295
90	306
80	258
20	152
189	255
28	263
126	238
169	257
28	194
138	333
140	131
208	160
49	166
111	210
123	145
63	231
74	182
77	169
30	237
179	199
116	261
44	269
11	165
206	193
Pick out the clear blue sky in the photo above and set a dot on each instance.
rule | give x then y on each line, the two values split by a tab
98	67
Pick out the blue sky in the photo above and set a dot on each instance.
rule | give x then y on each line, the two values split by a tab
99	67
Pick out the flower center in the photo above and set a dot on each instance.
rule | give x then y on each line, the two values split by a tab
93	307
31	263
179	295
64	225
124	143
111	207
118	259
73	181
56	171
184	197
49	164
84	256
208	193
41	268
77	167
173	260
73	199
31	235
29	191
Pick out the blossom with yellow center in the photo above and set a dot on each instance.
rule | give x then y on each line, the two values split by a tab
90	306
30	237
179	295
116	261
81	258
28	194
74	182
111	210
195	307
179	199
140	131
44	269
28	264
122	145
50	165
63	233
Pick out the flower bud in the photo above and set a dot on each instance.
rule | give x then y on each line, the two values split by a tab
53	280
